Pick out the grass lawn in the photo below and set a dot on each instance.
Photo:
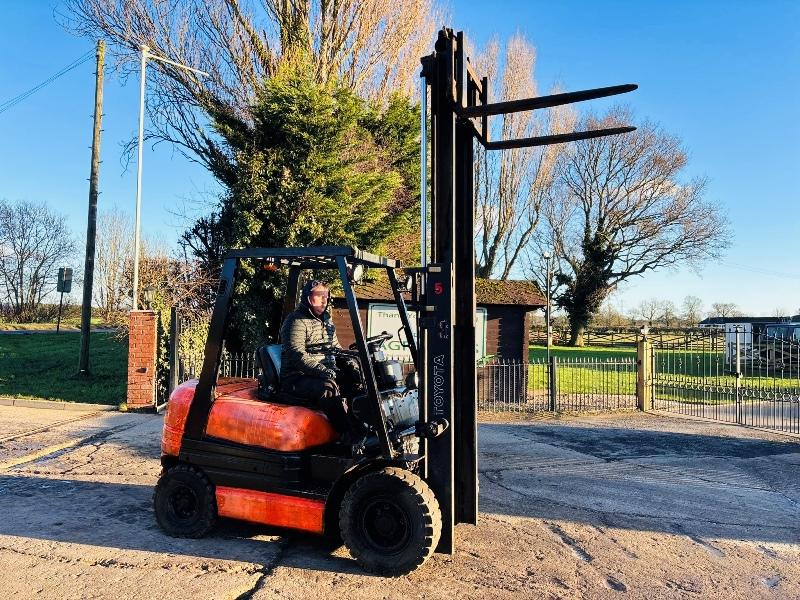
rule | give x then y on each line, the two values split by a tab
570	352
583	379
45	365
581	370
587	370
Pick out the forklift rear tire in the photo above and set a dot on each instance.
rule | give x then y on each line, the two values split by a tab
184	502
390	521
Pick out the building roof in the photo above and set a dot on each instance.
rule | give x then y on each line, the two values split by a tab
487	291
493	291
724	320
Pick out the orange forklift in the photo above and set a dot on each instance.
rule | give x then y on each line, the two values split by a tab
243	449
257	454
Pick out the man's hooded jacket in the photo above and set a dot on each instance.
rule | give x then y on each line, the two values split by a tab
302	328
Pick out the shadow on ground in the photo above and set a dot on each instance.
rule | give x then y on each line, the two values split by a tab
719	486
121	516
705	486
617	443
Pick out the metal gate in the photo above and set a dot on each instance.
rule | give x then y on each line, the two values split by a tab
736	375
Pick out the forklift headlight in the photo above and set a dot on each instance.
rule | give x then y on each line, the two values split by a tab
356	273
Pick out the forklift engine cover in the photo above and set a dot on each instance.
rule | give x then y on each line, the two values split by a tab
238	416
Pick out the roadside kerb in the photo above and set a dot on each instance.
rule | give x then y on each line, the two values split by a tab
56	405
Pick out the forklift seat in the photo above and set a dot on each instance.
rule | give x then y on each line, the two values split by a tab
269	359
269	386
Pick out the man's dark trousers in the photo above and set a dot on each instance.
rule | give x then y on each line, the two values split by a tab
322	394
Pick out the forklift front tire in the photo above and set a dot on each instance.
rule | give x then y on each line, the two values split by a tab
390	521
184	502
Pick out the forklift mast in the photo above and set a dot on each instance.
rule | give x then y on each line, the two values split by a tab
459	114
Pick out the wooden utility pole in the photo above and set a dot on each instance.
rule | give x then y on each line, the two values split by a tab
91	228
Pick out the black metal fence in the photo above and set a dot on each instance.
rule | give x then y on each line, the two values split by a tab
734	376
239	364
563	384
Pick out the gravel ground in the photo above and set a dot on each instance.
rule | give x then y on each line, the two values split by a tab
604	506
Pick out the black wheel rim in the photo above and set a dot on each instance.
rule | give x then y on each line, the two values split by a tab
384	525
183	504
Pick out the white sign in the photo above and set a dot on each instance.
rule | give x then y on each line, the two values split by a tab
386	317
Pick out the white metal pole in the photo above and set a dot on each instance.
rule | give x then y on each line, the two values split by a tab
137	227
136	241
423	178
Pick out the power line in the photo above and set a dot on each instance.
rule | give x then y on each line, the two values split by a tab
762	271
17	99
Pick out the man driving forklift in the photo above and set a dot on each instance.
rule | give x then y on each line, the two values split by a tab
316	375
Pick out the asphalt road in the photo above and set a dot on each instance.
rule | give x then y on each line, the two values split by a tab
622	506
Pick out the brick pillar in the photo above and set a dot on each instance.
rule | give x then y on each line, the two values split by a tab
142	358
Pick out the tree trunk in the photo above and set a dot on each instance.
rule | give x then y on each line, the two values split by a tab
577	327
576	336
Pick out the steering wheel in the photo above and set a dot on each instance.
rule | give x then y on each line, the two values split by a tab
374	340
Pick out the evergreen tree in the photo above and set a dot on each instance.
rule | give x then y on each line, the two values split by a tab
319	167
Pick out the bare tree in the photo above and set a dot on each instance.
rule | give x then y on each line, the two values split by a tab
620	210
656	311
692	310
112	254
779	313
725	309
649	310
668	315
609	315
511	185
372	45
34	243
173	281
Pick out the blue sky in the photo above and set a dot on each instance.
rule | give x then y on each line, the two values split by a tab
724	76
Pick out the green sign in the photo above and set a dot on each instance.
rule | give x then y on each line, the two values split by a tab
64	280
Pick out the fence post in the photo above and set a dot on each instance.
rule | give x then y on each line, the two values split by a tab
644	366
174	332
738	375
552	383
